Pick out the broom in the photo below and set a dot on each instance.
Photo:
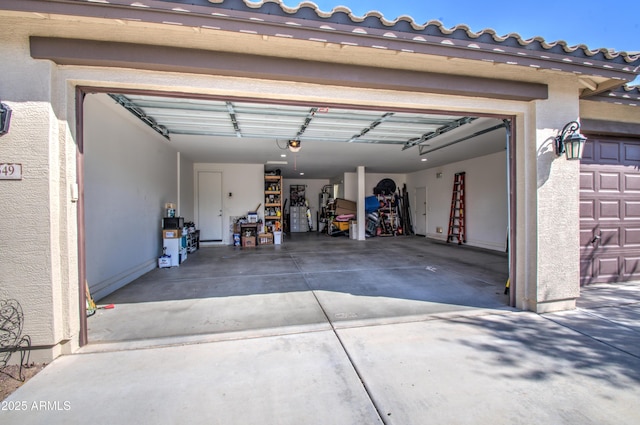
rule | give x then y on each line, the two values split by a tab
91	305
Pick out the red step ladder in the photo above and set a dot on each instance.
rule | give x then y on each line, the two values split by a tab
456	217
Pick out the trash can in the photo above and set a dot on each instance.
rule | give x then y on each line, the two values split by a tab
277	238
353	229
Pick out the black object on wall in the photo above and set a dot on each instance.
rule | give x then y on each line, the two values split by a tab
5	119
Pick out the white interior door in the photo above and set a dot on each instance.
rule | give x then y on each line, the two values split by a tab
210	206
421	211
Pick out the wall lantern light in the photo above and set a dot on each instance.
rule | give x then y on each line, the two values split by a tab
5	119
570	141
294	145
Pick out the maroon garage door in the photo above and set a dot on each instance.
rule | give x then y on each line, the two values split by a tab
610	210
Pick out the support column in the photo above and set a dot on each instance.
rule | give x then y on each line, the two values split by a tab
552	247
360	205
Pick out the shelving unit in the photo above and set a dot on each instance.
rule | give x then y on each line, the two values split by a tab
388	222
193	240
273	215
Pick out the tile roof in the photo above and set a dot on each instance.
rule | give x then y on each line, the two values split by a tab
626	95
307	22
406	24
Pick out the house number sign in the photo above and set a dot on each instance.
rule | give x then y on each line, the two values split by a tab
10	171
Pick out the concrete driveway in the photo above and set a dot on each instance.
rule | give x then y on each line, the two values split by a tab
464	366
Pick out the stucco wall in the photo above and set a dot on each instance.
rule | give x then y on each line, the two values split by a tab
39	214
557	207
609	112
130	173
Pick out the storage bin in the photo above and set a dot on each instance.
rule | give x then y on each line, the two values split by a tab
164	262
341	225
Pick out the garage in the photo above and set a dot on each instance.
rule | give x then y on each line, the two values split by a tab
174	144
105	97
610	210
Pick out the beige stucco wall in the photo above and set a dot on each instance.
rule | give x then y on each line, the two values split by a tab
558	220
40	269
609	112
38	258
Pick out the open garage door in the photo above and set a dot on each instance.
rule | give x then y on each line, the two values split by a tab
143	150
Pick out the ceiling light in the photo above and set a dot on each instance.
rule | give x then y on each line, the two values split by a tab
284	155
302	174
424	160
294	145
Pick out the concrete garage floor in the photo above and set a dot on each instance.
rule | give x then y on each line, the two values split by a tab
471	361
311	281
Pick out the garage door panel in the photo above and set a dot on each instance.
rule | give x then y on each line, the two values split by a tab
588	209
588	181
609	210
586	236
586	269
631	266
609	182
632	210
588	152
631	154
632	237
608	267
607	152
610	237
631	183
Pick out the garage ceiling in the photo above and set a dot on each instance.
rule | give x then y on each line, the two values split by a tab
333	140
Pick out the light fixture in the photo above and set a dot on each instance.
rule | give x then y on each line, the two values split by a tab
570	141
5	118
294	145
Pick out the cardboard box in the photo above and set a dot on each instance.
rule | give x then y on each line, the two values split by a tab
248	241
265	238
171	233
164	262
344	206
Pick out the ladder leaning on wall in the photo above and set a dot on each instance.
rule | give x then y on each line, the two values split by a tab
457	226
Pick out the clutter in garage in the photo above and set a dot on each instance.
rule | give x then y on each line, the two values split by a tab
178	238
